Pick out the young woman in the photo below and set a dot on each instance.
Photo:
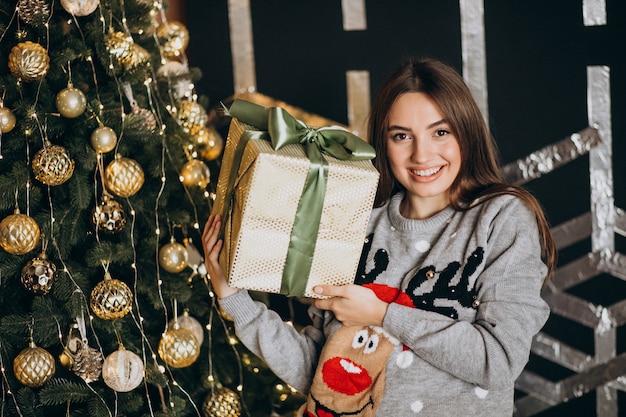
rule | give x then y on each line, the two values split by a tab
446	300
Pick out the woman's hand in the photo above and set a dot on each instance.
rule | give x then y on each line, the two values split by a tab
353	305
212	246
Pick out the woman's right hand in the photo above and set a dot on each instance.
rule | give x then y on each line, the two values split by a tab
212	246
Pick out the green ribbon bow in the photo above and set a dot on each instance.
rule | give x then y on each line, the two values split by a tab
280	128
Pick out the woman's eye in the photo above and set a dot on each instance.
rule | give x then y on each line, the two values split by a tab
400	136
442	132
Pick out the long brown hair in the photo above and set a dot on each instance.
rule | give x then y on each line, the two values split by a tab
480	175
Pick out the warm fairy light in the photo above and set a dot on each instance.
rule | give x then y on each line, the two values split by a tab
163	179
132	212
196	226
133	265
181	178
208	327
279	387
157	232
232	340
256	370
162	369
239	387
210	378
160	282
284	397
175	384
290	323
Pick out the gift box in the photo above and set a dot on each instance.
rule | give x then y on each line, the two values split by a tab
295	202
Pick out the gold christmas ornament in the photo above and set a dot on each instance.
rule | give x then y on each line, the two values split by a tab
174	38
52	164
103	139
123	370
119	46
71	102
185	321
19	233
195	173
143	118
34	366
191	116
80	358
80	7
173	257
7	119
179	347
29	61
222	402
138	56
111	298
123	176
39	274
33	12
210	143
109	216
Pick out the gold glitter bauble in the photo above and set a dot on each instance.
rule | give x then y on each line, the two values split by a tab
29	61
222	402
34	366
179	347
195	173
210	143
191	116
111	298
173	257
174	38
80	7
7	119
52	164
71	102
123	370
19	233
33	12
109	216
103	139
39	274
185	321
138	56
123	176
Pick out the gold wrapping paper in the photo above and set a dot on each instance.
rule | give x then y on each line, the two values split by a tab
267	191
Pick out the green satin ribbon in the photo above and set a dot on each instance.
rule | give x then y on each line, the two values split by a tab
280	128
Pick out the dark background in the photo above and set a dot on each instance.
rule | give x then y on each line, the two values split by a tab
537	53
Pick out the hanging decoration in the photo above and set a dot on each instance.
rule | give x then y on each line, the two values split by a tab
222	402
191	116
71	102
109	215
173	257
52	164
33	12
79	357
173	37
210	143
103	139
7	119
39	274
123	370
33	366
29	61
179	347
111	298
185	321
123	176
19	233
195	173
80	7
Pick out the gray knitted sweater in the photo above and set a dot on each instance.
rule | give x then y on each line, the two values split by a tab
464	294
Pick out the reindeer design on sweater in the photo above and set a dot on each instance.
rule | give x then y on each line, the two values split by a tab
350	377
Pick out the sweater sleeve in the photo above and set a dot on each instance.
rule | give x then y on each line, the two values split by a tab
492	350
290	354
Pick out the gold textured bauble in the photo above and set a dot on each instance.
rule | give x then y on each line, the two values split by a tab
173	257
179	347
34	366
80	358
191	116
52	164
111	298
123	370
174	38
109	216
29	61
185	321
80	7
138	56
210	143
103	139
222	402
19	233
33	12
71	102
119	46
7	119
39	274
123	176
195	173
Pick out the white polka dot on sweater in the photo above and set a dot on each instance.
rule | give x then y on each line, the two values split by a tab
404	359
422	246
481	393
417	406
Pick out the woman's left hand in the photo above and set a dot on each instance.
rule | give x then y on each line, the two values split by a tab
353	305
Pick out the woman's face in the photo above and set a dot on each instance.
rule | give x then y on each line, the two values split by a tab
423	153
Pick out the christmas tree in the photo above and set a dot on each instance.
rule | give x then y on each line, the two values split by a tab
106	159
